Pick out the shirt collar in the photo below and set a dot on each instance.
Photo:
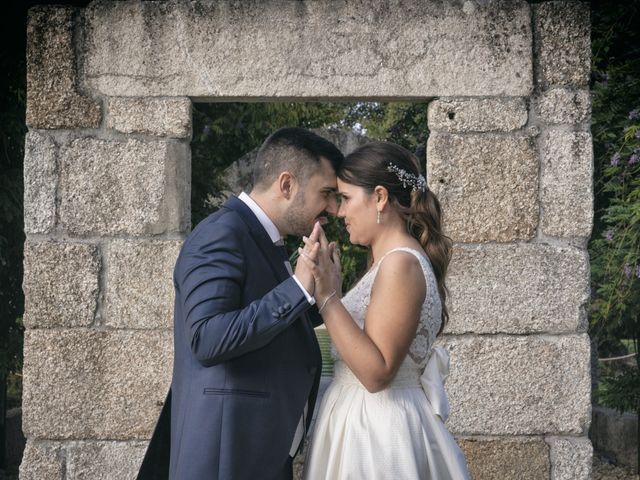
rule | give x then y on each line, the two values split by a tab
262	217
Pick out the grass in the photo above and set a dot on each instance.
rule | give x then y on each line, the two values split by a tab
325	348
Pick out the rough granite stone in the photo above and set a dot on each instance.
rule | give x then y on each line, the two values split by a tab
104	460
510	458
124	187
139	290
477	114
487	185
53	100
42	460
282	49
40	177
165	117
60	284
522	288
567	184
562	105
519	385
94	384
562	31
571	458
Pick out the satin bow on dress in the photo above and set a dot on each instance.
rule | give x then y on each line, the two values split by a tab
432	380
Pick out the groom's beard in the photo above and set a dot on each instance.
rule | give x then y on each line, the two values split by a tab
299	221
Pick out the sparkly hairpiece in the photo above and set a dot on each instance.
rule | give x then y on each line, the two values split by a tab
416	182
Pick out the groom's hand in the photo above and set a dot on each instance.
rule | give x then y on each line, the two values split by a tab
303	272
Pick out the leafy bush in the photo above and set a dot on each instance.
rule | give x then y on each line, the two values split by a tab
615	244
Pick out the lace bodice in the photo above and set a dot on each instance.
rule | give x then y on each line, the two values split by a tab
358	298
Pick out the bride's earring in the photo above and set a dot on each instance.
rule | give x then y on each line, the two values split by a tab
378	220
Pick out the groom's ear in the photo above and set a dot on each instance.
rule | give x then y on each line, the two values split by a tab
286	184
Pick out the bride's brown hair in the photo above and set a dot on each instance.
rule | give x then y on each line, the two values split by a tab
367	167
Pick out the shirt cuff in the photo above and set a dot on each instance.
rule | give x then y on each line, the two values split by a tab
310	299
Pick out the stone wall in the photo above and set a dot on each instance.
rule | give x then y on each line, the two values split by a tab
107	180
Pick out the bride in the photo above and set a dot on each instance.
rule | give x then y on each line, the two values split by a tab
383	415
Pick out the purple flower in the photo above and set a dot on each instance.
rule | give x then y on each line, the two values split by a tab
615	160
633	114
638	134
633	159
627	270
206	130
638	271
608	235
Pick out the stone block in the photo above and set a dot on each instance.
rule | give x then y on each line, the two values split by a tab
165	117
487	185
498	458
124	187
60	284
522	288
287	50
53	99
562	31
571	458
40	178
519	385
563	105
139	290
477	114
42	460
104	460
567	184
95	384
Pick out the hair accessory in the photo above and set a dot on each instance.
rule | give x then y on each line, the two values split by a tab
416	182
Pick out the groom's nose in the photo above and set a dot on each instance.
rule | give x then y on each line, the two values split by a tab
332	206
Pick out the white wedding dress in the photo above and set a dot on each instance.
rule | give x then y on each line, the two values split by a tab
398	433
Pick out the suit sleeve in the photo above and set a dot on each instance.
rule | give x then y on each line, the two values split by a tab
210	276
316	318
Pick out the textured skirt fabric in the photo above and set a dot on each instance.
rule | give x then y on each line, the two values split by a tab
389	435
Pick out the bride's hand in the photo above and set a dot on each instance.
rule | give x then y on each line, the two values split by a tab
326	269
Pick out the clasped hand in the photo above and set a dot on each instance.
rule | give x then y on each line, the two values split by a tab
318	267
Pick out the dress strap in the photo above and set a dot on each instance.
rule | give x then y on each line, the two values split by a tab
403	249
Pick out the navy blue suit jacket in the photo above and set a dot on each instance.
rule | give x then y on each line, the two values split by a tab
246	359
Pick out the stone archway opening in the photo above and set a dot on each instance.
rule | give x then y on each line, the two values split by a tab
107	169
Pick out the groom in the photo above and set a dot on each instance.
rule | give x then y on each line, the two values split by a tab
246	361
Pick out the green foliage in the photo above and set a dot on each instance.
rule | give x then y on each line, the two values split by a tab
615	244
620	391
401	123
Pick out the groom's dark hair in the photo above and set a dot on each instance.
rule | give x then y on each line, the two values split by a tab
293	149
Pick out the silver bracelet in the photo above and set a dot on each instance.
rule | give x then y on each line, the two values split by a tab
326	300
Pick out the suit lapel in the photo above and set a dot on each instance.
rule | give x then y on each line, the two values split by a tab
267	247
260	235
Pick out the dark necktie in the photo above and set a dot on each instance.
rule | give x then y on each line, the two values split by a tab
282	251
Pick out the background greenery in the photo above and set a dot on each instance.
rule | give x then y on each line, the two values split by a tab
614	248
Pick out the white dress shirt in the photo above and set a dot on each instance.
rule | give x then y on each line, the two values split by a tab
275	236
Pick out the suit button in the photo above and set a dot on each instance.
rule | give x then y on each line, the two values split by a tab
281	310
275	314
287	306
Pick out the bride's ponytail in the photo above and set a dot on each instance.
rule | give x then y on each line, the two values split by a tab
398	170
424	219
